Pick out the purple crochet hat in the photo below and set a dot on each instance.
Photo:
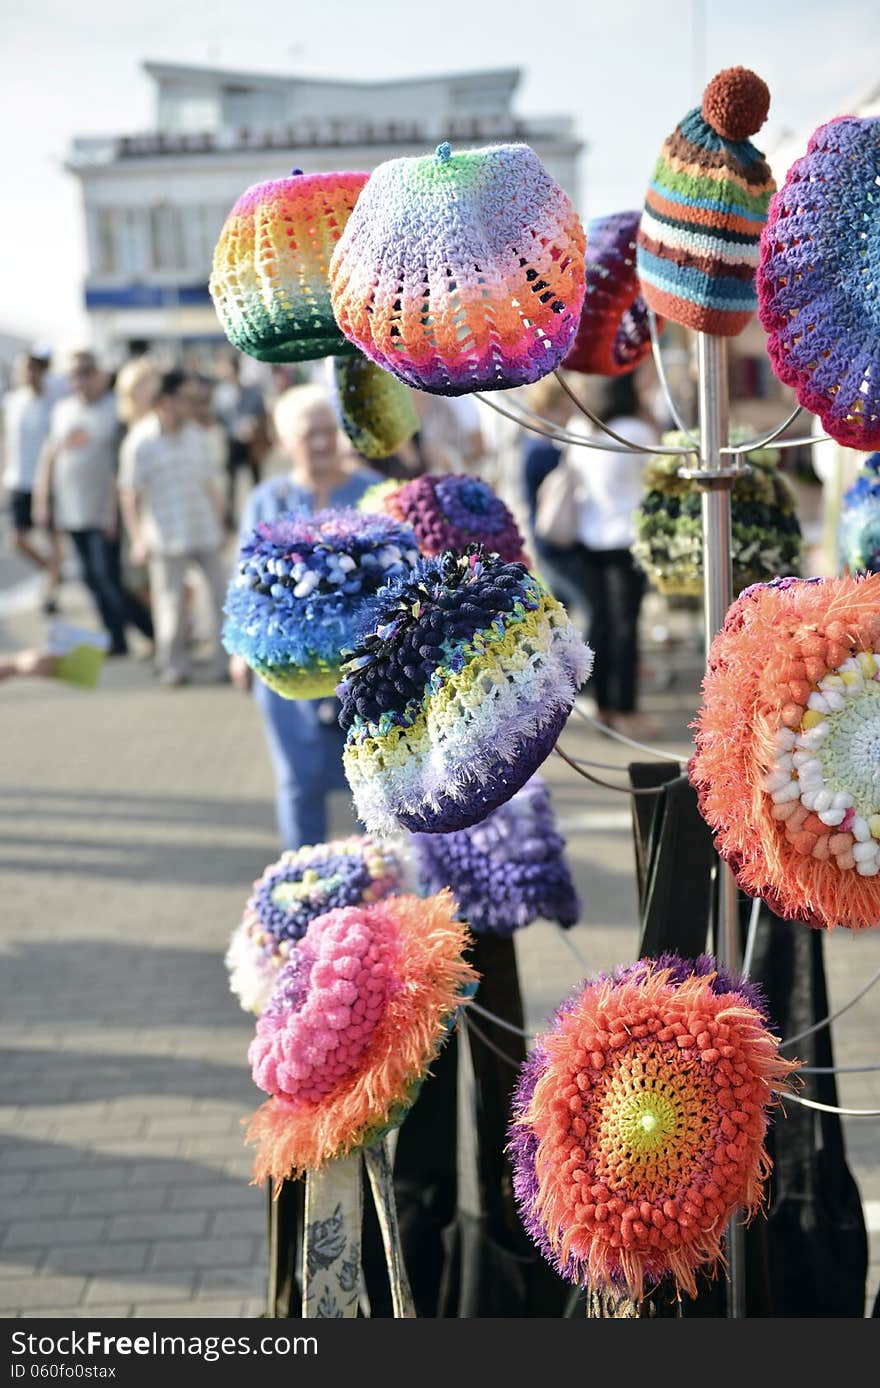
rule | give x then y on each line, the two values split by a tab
614	335
818	280
505	871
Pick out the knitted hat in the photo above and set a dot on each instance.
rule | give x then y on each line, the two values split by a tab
786	766
704	210
639	1122
375	409
356	1017
818	280
461	272
292	892
299	588
858	533
453	512
269	281
613	336
507	870
765	531
457	693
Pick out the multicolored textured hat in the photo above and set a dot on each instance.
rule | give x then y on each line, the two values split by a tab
614	335
765	531
269	281
507	870
704	210
291	893
788	747
818	276
457	693
639	1122
858	532
357	1015
461	272
454	512
299	587
374	408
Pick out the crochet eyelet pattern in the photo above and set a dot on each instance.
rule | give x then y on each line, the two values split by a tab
292	892
858	533
269	278
375	409
788	748
639	1123
705	208
461	272
818	280
765	531
457	693
506	871
454	512
613	335
356	1017
301	585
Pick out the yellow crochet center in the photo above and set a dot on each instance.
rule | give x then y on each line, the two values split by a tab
493	661
655	1123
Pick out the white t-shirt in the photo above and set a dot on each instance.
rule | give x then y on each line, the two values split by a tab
25	429
172	477
85	435
611	483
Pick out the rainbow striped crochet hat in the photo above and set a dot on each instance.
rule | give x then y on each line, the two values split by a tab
461	272
705	208
818	278
269	280
457	693
613	336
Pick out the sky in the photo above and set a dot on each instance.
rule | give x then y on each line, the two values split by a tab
626	72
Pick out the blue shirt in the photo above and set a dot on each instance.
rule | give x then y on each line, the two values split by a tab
281	496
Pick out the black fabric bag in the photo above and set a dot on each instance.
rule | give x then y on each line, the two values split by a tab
464	1265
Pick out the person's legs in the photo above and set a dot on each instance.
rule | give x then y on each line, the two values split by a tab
296	746
624	586
92	551
22	521
213	566
135	612
592	571
167	584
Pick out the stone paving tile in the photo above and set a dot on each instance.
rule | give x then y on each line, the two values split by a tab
177	1283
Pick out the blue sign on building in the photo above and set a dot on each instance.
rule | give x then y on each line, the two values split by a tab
148	296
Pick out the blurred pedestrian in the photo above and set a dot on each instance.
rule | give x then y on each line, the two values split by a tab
610	489
136	387
559	564
242	412
305	741
27	410
172	504
198	397
76	484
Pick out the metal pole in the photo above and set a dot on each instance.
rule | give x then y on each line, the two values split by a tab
716	482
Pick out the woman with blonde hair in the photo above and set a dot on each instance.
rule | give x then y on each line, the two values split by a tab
137	389
305	741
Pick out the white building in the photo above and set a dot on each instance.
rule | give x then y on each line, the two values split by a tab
154	203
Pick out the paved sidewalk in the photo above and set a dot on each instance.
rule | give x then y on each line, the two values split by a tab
132	822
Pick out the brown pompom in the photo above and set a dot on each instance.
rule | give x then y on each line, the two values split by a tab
736	103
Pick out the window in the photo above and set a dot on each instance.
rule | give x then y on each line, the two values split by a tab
167	247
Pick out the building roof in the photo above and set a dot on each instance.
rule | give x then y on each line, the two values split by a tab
236	77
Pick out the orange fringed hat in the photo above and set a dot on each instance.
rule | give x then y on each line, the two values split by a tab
787	766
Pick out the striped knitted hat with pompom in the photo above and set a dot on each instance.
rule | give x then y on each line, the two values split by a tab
704	210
